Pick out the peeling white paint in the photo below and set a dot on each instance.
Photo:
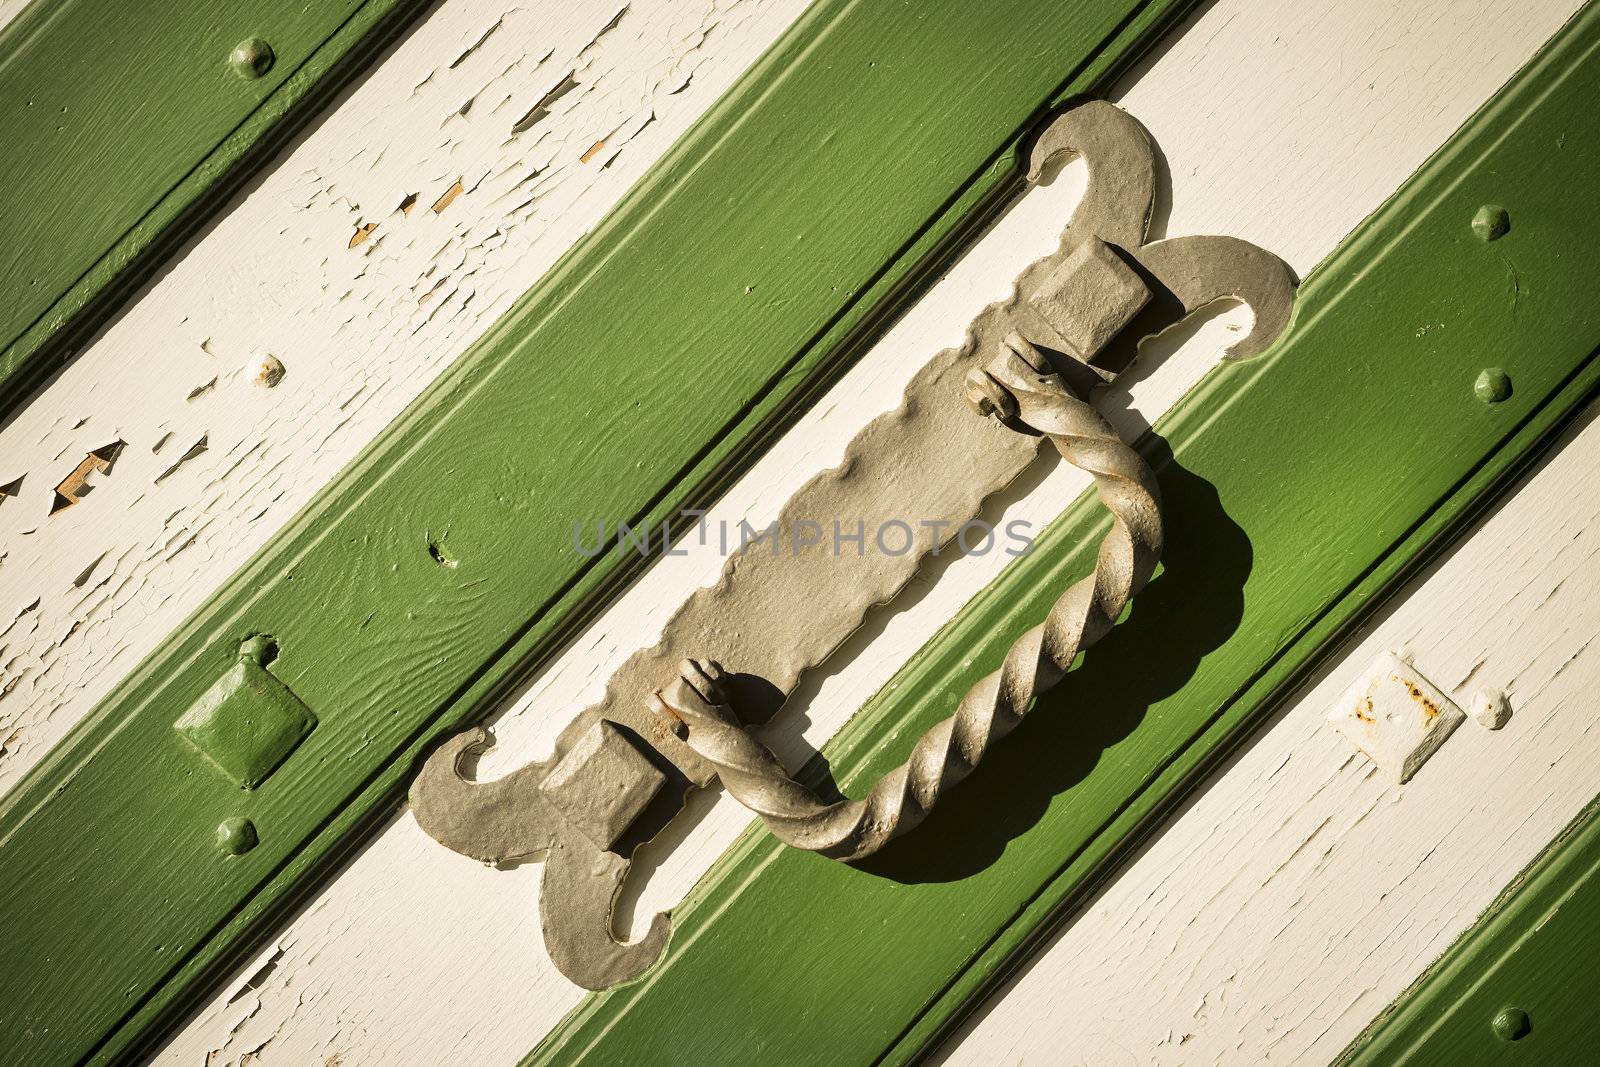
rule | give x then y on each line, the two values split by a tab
461	216
1336	887
1284	126
10	9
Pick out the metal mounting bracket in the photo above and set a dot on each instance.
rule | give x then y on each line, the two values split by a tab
1072	321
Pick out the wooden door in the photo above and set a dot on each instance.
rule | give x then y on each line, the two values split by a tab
339	370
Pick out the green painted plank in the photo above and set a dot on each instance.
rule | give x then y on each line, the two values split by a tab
1520	986
124	126
1299	487
637	378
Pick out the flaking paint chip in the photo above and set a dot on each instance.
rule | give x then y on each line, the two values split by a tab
1395	716
445	199
81	482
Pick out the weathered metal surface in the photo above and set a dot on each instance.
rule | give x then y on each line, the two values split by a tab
1089	299
602	784
1396	716
1286	527
901	463
400	650
1018	386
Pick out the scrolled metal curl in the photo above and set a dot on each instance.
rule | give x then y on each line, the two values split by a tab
1018	387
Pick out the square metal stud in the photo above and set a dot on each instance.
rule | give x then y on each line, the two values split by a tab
602	784
1089	299
248	722
1396	716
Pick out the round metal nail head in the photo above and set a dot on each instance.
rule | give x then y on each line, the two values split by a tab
236	836
251	58
1511	1024
1491	222
1493	385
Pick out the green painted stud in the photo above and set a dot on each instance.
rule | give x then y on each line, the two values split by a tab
1511	1024
1491	222
1493	385
236	836
246	724
252	57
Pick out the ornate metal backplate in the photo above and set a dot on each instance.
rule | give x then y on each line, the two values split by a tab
1082	311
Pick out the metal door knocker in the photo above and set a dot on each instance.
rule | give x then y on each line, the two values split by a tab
671	715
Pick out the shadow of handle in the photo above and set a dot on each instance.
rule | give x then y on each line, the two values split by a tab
1019	387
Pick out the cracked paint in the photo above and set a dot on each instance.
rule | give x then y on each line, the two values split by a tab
1341	887
194	451
541	110
311	1007
218	464
446	198
86	476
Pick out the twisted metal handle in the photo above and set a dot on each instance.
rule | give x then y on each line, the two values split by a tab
1020	388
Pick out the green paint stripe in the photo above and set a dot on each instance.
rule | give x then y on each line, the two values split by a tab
1533	950
640	376
1300	487
146	132
1144	814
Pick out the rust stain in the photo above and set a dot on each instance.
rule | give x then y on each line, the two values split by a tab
449	196
1364	710
1430	710
269	370
594	150
660	704
361	234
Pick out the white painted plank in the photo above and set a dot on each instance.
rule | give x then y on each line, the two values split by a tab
1301	890
467	215
1285	124
10	9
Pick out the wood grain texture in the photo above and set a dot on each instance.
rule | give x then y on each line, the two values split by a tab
1300	891
10	9
124	130
1270	566
1260	115
1518	986
390	634
217	462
